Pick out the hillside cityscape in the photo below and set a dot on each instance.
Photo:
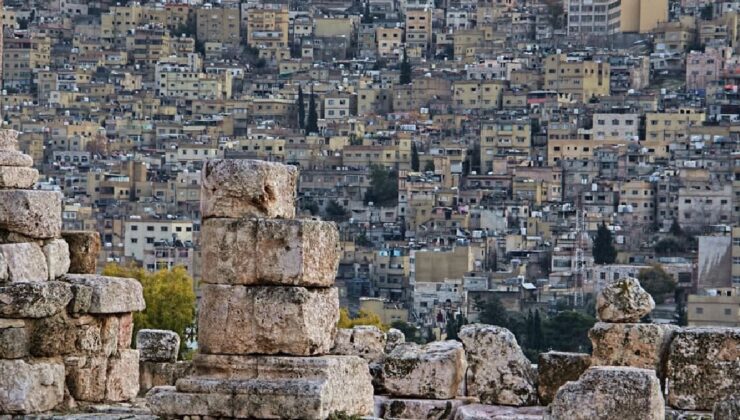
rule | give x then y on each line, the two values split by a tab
555	177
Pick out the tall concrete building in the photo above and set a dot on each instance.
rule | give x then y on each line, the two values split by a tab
642	16
588	18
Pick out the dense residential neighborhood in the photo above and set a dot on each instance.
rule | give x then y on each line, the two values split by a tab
479	157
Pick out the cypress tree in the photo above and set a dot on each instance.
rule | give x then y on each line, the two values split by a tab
414	158
301	109
603	250
312	124
405	69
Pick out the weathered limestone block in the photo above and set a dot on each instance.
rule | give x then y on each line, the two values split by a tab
728	409
153	374
623	301
281	252
13	339
35	214
125	331
703	367
433	370
393	338
81	299
86	377
30	386
220	366
609	392
122	381
57	258
269	387
157	345
637	345
555	368
84	248
110	294
59	335
8	139
33	300
24	262
17	177
498	371
365	341
400	408
247	188
498	412
14	158
267	320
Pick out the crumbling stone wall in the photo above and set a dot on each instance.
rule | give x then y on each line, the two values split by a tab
64	337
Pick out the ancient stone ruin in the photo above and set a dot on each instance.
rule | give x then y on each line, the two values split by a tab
268	310
268	342
65	339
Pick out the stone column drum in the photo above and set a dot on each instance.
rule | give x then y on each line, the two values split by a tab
268	308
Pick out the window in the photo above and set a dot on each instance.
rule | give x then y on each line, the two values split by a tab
728	311
699	311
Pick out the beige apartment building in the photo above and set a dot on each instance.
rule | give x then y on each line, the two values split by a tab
716	308
218	25
581	79
140	234
593	17
642	16
477	94
671	126
500	138
267	29
21	56
418	32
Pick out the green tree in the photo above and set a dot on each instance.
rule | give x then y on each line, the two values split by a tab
429	166
383	189
363	318
367	17
169	297
311	206
362	240
492	312
603	250
335	212
405	78
301	109
414	157
568	331
668	246
707	12
676	229
413	335
656	282
312	124
453	325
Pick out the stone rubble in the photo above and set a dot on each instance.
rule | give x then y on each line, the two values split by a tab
636	345
609	392
433	371
84	247
285	305
703	367
368	342
393	338
498	371
64	340
623	301
555	369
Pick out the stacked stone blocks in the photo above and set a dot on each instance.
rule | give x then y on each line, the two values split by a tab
63	336
268	309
